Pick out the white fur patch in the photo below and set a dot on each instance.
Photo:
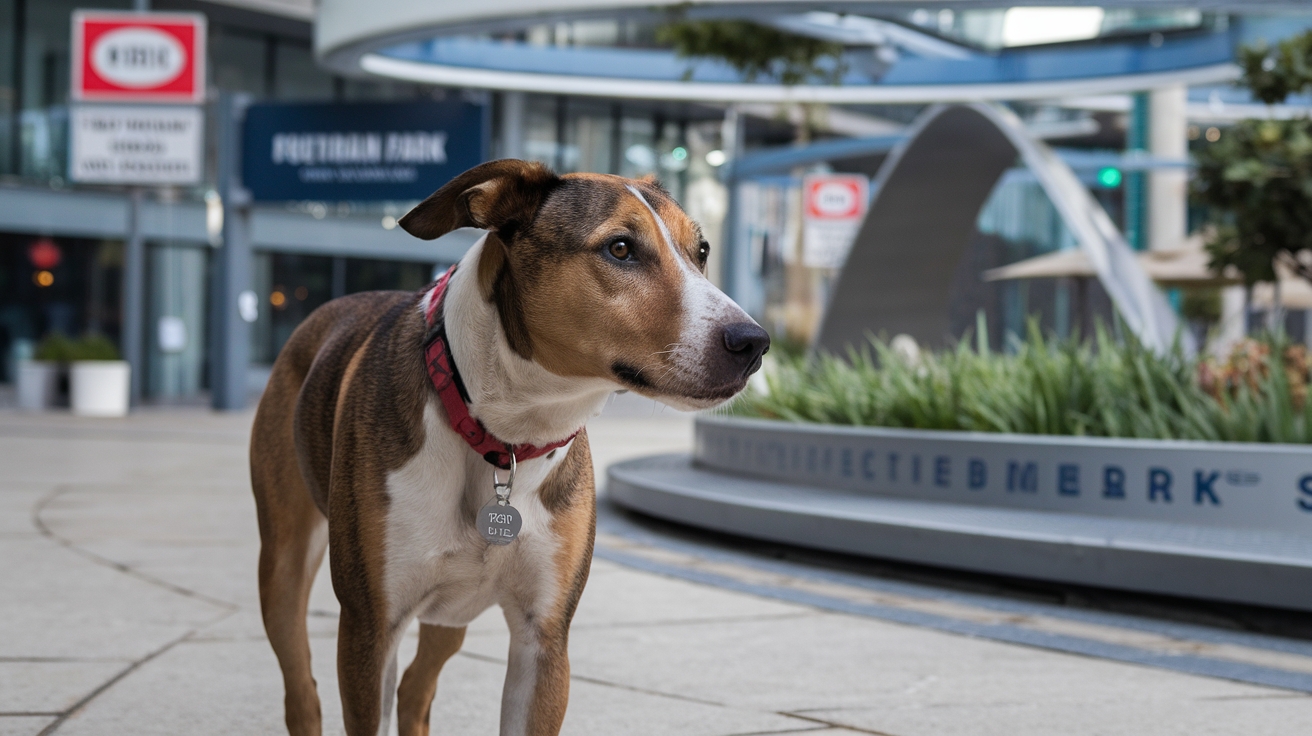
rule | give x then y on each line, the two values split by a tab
438	568
706	310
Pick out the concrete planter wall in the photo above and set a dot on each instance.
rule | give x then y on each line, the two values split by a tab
99	388
1258	486
1222	521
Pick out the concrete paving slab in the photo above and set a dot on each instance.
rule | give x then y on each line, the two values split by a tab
57	603
23	725
165	495
17	500
852	662
1259	716
51	686
201	688
622	599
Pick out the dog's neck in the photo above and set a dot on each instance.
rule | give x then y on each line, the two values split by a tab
517	400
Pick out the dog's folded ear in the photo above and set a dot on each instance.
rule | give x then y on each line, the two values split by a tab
499	196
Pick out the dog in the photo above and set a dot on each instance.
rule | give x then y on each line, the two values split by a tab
433	442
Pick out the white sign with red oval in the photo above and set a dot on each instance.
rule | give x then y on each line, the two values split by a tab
835	206
138	57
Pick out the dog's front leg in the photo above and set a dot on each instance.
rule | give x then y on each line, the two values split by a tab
537	676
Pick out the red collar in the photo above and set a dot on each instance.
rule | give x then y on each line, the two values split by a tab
455	399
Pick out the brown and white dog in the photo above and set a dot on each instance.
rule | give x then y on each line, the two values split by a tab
584	284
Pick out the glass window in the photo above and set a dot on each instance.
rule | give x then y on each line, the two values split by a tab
590	138
67	285
176	277
540	129
297	285
370	275
296	76
637	147
364	90
40	87
238	60
6	84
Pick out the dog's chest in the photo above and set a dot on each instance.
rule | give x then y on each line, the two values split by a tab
437	566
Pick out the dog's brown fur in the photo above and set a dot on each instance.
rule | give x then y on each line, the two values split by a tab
349	429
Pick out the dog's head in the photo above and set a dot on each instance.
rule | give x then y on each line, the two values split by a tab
600	276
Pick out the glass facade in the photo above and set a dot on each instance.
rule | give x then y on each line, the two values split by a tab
263	59
295	285
65	285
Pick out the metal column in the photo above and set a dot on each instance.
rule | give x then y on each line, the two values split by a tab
230	341
134	296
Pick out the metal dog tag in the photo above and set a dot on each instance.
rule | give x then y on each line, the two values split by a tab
499	524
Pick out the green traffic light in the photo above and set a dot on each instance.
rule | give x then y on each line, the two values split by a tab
1109	177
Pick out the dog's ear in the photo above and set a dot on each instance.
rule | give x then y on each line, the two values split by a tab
499	196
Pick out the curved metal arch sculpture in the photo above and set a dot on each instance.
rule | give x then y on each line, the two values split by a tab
898	275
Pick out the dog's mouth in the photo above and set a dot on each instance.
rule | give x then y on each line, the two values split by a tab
692	394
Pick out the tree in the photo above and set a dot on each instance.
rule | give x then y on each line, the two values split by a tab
755	50
1257	179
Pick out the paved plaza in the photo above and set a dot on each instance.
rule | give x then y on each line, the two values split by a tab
129	606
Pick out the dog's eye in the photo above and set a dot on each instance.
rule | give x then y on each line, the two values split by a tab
621	250
703	252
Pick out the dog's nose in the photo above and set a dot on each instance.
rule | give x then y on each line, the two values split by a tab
747	342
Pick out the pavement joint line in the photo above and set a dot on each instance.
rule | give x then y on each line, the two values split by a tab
811	729
1003	632
607	683
69	544
833	724
60	660
107	684
27	713
694	621
611	521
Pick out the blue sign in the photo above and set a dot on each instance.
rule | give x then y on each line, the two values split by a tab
361	152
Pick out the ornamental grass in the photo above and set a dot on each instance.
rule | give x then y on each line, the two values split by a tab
1108	386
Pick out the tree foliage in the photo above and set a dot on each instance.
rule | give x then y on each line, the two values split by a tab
754	50
1257	179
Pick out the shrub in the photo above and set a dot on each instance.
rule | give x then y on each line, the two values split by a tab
93	346
1101	388
54	347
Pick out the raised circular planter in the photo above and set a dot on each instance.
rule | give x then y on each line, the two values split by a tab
1227	521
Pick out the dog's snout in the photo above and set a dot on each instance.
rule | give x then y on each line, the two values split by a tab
747	342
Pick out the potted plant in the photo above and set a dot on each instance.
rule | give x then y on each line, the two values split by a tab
38	379
99	381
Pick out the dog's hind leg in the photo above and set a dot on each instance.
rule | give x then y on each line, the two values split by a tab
419	685
293	536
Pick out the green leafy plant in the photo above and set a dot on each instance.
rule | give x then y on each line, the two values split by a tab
93	346
754	50
54	347
1104	388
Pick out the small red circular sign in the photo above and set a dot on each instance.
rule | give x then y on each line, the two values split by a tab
834	198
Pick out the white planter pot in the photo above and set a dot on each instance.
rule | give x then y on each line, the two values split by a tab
99	388
38	384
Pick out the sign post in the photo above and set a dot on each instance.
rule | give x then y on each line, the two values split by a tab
834	207
136	57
